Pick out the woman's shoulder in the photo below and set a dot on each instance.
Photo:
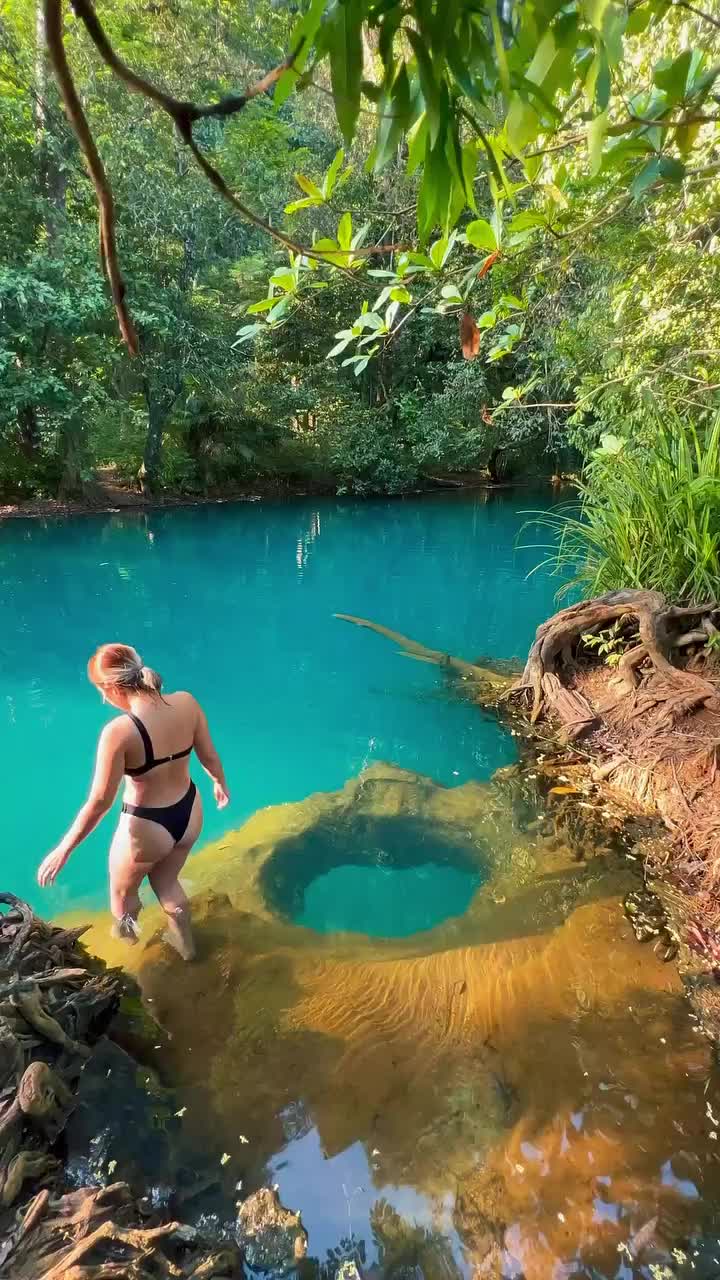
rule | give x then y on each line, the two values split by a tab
181	699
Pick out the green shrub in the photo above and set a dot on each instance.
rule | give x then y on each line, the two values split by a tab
648	517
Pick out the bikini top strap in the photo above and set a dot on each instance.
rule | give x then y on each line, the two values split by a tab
147	741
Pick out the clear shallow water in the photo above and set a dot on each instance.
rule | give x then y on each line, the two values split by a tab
520	1095
386	902
236	603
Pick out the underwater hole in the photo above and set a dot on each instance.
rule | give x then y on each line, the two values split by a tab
386	877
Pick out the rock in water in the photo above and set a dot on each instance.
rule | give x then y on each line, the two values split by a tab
272	1237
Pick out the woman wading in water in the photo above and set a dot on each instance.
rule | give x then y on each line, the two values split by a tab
150	744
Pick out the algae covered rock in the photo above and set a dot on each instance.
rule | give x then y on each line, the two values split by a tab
272	1237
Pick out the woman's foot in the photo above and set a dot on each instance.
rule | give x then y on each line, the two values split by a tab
179	933
127	928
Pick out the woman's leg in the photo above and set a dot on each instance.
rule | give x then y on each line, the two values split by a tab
169	892
133	853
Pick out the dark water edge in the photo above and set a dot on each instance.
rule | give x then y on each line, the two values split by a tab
129	500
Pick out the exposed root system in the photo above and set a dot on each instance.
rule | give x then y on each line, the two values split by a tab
55	1002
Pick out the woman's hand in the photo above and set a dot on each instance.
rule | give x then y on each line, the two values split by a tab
222	796
51	867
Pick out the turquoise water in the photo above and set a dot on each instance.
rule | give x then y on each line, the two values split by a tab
386	902
236	603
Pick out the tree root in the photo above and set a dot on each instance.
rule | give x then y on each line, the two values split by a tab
674	691
48	1002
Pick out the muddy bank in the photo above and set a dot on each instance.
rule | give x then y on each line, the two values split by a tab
526	1076
644	728
112	497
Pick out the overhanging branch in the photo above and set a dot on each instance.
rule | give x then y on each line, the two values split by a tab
183	114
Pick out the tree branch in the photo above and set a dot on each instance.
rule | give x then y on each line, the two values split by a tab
699	13
184	115
106	206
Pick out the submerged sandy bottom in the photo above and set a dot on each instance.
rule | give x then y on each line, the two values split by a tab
518	1092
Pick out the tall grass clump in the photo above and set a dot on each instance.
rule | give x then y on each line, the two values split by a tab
646	517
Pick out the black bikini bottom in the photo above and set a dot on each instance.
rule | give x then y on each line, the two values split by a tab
173	817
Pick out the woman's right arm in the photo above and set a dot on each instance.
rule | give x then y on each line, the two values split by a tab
109	768
209	758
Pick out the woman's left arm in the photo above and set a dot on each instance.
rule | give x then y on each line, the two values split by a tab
109	768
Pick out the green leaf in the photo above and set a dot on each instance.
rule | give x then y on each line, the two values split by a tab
303	34
428	83
339	347
500	54
469	170
332	173
522	124
596	133
264	304
672	77
394	115
278	310
309	187
639	20
343	36
417	142
686	136
247	333
603	81
372	321
613	30
308	202
440	251
594	12
284	280
481	235
400	294
344	231
451	293
660	168
528	220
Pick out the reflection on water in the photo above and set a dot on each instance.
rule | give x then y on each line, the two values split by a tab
520	1092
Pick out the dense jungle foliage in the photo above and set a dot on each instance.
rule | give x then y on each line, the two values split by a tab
502	243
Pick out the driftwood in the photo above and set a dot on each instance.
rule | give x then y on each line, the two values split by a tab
55	1002
469	670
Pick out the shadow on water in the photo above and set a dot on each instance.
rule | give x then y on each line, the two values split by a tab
518	1092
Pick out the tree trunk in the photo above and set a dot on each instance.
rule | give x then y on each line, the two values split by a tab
152	455
72	483
28	432
493	465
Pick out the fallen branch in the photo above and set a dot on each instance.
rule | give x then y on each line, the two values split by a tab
483	675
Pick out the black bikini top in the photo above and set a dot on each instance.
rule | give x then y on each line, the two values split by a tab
150	761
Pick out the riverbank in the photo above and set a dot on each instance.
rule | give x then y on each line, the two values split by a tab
643	727
110	496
